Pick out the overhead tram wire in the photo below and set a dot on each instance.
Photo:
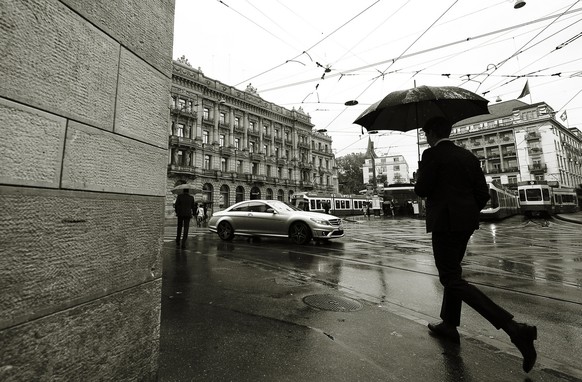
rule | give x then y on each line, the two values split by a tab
255	23
353	70
499	85
517	52
313	46
395	60
372	31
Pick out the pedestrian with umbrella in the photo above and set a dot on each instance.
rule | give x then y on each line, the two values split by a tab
185	207
451	179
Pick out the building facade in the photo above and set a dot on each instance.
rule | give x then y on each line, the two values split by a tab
520	142
390	169
235	146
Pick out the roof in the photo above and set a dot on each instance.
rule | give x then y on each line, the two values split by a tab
496	110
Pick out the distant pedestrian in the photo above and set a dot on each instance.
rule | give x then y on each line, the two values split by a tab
392	207
184	207
326	207
368	211
200	215
451	179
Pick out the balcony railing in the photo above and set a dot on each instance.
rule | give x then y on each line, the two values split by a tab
532	135
178	169
537	168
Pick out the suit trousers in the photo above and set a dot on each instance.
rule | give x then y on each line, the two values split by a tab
449	249
183	222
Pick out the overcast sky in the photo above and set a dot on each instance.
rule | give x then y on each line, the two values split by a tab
318	54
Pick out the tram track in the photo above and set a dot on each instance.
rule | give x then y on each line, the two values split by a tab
328	255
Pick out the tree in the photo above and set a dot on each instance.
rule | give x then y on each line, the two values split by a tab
350	176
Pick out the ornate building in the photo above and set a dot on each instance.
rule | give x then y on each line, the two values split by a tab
520	142
234	146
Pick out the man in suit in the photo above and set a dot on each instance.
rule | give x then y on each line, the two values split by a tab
185	207
453	183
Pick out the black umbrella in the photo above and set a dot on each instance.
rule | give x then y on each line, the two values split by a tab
192	189
405	110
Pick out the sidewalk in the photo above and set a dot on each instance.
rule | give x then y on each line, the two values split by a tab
225	319
573	218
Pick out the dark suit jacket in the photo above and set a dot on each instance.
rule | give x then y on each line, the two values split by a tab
185	205
451	179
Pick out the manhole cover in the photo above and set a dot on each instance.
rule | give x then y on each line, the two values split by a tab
333	303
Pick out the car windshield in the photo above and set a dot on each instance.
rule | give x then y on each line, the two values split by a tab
281	206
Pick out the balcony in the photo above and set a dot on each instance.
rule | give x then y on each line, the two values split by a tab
532	135
256	157
535	150
181	141
537	168
227	151
509	153
281	162
256	179
303	145
177	169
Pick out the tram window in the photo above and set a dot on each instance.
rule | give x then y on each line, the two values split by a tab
558	199
343	204
522	195
347	204
312	204
533	194
337	204
318	204
546	194
494	201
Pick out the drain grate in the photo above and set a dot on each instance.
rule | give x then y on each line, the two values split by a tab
333	303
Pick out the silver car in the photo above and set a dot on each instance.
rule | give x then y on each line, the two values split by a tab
274	218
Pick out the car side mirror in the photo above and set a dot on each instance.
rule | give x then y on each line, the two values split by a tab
271	210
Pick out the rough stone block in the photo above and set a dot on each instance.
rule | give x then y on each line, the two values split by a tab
54	60
142	102
61	248
145	27
114	338
98	160
31	142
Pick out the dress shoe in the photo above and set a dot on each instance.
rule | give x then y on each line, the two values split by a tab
446	331
523	338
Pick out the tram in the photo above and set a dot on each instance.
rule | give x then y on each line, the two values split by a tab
502	204
538	198
403	199
339	205
565	200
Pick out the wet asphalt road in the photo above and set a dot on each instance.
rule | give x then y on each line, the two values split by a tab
533	268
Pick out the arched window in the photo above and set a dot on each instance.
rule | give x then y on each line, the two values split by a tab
280	195
207	191
224	200
290	194
255	193
269	194
240	194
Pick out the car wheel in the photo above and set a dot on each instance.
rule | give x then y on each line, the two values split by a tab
225	231
300	233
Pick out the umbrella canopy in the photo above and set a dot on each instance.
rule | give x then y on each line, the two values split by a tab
181	187
405	110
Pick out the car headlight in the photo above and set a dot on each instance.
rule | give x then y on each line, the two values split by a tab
320	221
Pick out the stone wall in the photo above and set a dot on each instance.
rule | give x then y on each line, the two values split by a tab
83	142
